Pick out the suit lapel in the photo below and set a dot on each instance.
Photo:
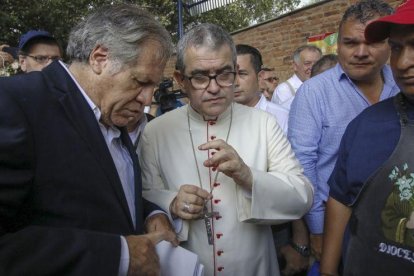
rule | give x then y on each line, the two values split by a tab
83	119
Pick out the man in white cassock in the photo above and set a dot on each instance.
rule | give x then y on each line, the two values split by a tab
226	171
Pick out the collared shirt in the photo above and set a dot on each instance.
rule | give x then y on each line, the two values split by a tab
283	94
136	134
279	112
320	112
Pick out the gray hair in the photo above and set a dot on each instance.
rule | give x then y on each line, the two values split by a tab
208	35
312	48
364	11
122	29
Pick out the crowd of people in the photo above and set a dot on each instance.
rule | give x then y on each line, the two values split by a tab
312	176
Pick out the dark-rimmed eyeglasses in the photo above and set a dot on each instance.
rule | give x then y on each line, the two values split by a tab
225	79
43	59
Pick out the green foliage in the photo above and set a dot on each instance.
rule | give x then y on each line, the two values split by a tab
243	13
58	16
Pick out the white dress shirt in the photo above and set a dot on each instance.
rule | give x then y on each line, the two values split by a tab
283	94
279	112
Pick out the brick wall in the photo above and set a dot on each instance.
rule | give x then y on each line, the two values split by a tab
278	38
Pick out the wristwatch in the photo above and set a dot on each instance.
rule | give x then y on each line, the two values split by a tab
301	249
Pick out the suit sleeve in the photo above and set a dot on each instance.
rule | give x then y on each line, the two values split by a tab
27	249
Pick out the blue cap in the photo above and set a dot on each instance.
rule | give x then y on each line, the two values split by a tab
25	38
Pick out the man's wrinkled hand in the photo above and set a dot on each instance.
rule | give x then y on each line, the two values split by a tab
143	259
160	223
225	159
189	202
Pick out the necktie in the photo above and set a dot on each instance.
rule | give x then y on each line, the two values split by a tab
126	141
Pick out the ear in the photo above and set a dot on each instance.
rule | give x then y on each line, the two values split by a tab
22	62
260	75
294	66
98	59
178	77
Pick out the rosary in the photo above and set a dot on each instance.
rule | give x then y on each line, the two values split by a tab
207	216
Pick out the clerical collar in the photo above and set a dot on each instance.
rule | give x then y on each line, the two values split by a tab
199	117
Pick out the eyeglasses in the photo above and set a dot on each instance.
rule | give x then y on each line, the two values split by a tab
44	59
225	79
271	79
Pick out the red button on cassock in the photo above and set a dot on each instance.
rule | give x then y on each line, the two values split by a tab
220	268
218	217
216	184
220	252
218	235
211	123
217	201
212	137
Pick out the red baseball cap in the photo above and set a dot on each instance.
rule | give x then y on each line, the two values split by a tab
379	29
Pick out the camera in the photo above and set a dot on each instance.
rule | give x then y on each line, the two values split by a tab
166	97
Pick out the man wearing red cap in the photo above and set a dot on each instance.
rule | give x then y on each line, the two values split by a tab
372	186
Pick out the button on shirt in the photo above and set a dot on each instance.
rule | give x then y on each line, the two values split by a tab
322	108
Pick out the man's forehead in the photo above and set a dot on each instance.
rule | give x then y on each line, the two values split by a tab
147	72
354	27
244	60
44	48
206	59
309	56
270	73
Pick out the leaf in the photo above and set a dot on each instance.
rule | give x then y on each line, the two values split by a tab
59	16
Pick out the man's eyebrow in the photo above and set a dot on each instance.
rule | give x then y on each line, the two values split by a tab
207	72
350	39
199	72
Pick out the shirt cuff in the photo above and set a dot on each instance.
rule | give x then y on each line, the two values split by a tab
315	222
124	260
176	223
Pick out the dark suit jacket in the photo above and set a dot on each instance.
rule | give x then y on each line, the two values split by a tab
62	206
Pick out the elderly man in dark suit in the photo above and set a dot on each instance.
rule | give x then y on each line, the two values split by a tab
70	182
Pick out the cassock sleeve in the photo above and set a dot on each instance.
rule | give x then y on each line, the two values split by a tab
281	193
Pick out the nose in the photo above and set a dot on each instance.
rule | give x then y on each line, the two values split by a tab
237	81
49	61
361	50
213	86
145	95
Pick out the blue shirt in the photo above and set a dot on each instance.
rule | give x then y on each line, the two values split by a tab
367	143
320	112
